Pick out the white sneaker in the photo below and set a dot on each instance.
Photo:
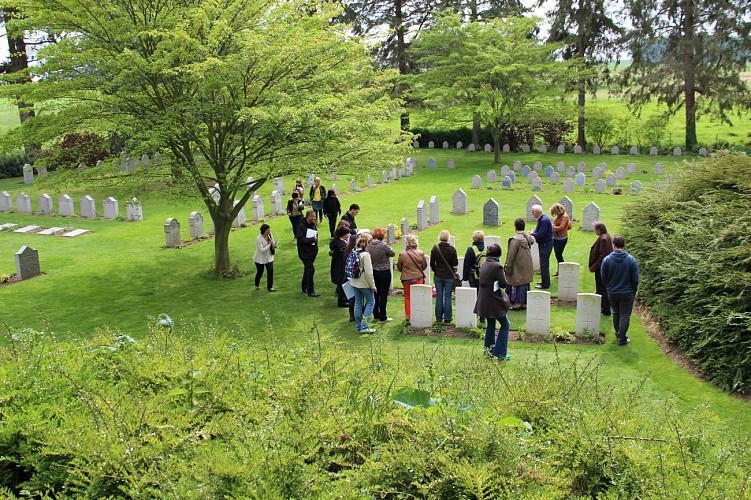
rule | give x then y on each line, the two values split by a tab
387	320
368	330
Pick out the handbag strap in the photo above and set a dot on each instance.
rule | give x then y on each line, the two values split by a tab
409	254
444	258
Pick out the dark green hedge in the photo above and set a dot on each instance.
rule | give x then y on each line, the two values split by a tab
11	164
693	244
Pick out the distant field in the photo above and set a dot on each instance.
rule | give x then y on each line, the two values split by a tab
8	116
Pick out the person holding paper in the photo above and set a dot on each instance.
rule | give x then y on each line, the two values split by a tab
337	250
307	251
493	303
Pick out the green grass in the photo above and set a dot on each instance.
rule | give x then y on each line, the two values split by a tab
8	117
120	276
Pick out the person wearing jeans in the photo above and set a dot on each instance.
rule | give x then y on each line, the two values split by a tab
492	304
543	234
364	285
264	257
443	262
620	274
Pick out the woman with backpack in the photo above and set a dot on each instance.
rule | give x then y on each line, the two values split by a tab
561	225
359	270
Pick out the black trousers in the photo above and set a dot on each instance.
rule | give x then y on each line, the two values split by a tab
269	274
383	284
600	289
308	272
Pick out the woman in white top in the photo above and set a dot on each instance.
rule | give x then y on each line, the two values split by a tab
264	257
364	285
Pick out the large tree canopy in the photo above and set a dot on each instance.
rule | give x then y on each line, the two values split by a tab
495	68
689	54
587	33
232	88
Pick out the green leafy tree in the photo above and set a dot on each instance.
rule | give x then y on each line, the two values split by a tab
231	89
587	33
496	68
689	54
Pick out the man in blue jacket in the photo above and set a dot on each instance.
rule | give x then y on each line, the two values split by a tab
543	234
620	275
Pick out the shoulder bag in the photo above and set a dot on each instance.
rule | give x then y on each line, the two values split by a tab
457	279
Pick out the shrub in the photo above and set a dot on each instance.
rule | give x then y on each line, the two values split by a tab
203	414
693	245
552	132
73	150
11	164
600	126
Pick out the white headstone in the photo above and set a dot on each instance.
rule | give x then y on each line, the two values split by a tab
390	234
677	151
111	208
600	186
568	281
568	204
353	184
172	232
431	144
476	182
588	313
276	203
659	168
580	179
434	215
596	150
631	168
45	204
52	231
257	207
653	151
590	215
421	306
432	163
538	312
611	180
28	174
620	173
492	240
492	177
536	184
451	164
561	149
88	207
555	178
195	221
422	216
636	187
465	305
6	202
459	202
279	184
568	186
633	151
241	218
445	144
577	149
702	152
615	150
488	148
133	209
23	203
525	148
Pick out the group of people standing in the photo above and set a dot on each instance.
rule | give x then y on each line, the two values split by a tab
501	287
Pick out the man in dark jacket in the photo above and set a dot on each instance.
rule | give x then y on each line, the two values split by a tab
354	209
307	251
620	274
543	234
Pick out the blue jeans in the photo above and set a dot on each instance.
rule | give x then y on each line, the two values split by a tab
500	345
362	318
545	251
443	288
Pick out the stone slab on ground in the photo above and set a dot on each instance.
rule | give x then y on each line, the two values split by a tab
76	232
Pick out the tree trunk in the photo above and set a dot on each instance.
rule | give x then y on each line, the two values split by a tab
689	78
476	129
580	139
19	61
581	51
222	265
401	57
497	145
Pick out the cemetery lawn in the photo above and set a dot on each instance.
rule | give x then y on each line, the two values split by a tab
121	277
8	117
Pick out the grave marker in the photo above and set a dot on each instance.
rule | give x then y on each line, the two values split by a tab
240	218
491	213
45	204
492	177
588	313
590	215
28	174
134	210
459	202
434	217
465	305
111	208
23	203
257	208
6	202
421	305
534	200
538	312
390	234
195	222
568	281
600	186
88	207
27	263
172	233
422	216
476	182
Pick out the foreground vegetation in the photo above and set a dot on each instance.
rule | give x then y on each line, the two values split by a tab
220	417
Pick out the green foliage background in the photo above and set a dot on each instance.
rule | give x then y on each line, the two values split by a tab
693	244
